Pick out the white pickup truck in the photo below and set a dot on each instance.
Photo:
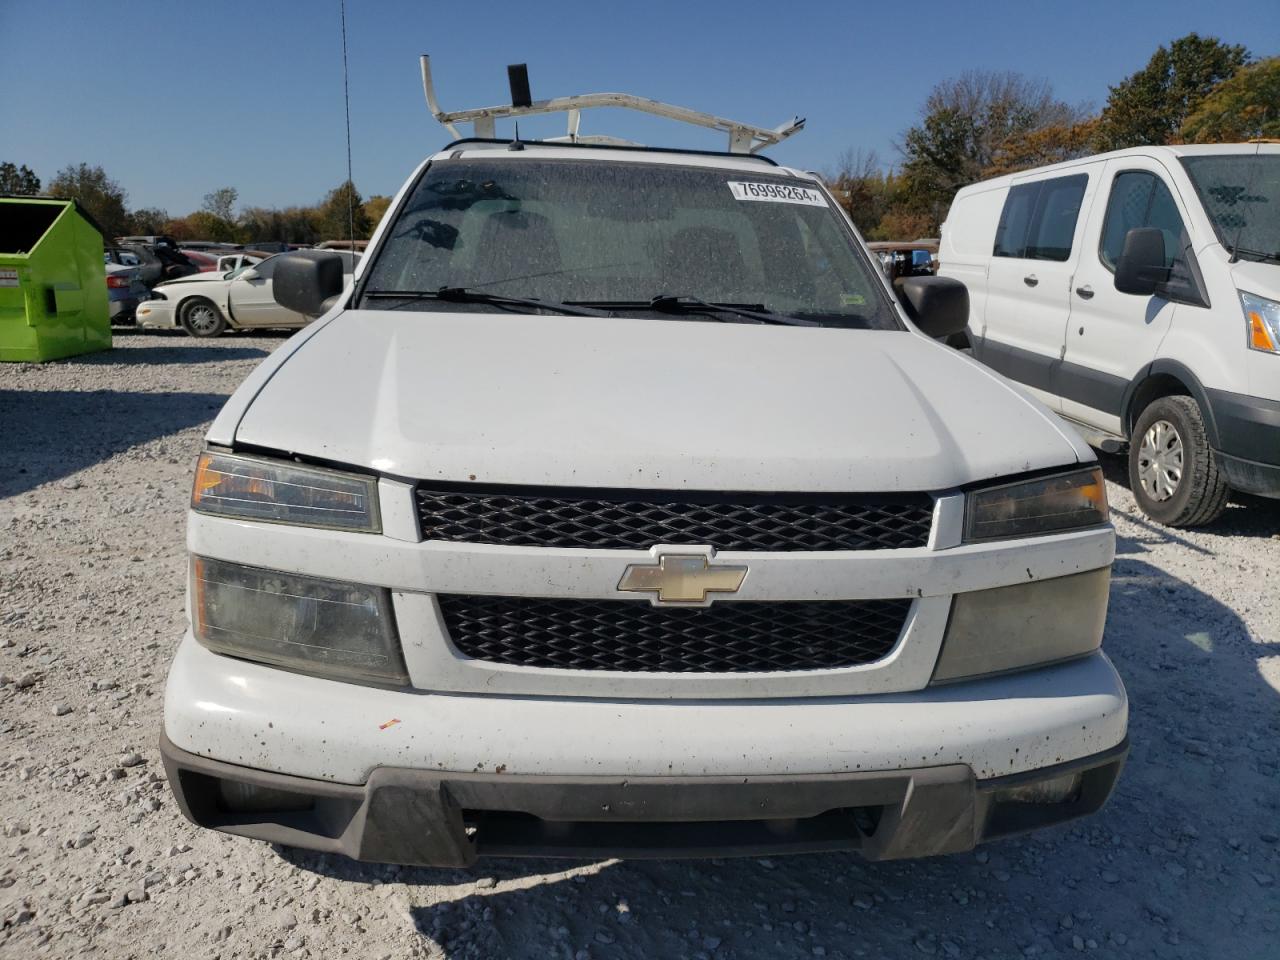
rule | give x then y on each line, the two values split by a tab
619	507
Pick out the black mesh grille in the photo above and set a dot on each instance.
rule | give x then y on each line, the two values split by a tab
637	637
622	520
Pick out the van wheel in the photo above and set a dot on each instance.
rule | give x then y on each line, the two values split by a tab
200	318
1172	472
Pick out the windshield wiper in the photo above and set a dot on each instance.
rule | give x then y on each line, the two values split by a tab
754	311
686	304
463	295
1237	252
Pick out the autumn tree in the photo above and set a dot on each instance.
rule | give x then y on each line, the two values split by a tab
966	122
210	226
1038	148
1150	106
18	181
221	203
341	214
147	221
288	225
862	187
97	193
374	209
1245	107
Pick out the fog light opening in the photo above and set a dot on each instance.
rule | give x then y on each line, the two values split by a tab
237	797
1064	789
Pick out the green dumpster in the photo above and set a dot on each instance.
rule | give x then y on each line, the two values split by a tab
53	285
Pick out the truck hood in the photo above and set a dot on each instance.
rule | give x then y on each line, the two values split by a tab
643	403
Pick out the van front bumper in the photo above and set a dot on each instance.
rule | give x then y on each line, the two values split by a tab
1248	450
420	817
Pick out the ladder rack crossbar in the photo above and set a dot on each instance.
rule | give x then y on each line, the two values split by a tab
743	137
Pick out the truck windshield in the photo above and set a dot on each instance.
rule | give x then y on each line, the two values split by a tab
1241	194
622	236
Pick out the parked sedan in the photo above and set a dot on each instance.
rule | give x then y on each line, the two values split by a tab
206	304
125	290
234	261
150	267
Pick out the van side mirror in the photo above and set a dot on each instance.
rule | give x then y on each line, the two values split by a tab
1141	268
937	305
308	281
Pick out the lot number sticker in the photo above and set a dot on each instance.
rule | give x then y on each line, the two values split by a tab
8	278
776	193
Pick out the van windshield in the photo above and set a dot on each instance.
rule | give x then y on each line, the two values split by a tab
1241	194
619	235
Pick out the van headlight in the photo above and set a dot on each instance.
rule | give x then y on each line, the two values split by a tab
1065	501
325	627
1262	316
256	488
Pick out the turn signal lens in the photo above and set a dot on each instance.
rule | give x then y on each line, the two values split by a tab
1068	501
254	488
1263	319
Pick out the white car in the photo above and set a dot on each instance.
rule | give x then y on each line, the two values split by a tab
1137	294
234	261
620	508
206	304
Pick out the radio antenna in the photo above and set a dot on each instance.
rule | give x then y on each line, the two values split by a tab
346	100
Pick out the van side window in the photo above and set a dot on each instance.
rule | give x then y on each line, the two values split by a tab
1039	219
1054	222
1015	218
1141	199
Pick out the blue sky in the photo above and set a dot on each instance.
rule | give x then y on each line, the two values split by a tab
177	98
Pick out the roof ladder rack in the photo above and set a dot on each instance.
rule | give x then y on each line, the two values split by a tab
743	137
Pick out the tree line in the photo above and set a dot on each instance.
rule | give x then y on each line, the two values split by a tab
342	212
985	124
981	124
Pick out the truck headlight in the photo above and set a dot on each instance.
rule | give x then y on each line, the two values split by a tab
325	627
255	488
1024	625
1263	319
1065	501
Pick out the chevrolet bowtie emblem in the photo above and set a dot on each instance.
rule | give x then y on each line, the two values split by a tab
682	578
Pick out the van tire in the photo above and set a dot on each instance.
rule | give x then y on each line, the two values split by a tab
200	318
1201	492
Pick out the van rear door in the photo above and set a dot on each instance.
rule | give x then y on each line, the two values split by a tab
1029	283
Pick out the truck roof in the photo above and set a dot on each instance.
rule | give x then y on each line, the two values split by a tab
533	149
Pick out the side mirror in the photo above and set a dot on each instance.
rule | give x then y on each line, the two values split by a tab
250	274
308	281
937	305
1141	268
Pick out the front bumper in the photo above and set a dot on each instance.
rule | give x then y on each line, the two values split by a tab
421	817
155	313
1248	450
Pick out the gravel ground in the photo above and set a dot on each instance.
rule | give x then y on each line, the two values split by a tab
95	462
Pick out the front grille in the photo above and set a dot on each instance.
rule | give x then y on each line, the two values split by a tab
621	520
633	636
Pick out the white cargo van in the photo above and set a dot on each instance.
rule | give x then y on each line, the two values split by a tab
1136	293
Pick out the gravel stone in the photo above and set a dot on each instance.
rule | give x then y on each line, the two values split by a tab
1192	624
